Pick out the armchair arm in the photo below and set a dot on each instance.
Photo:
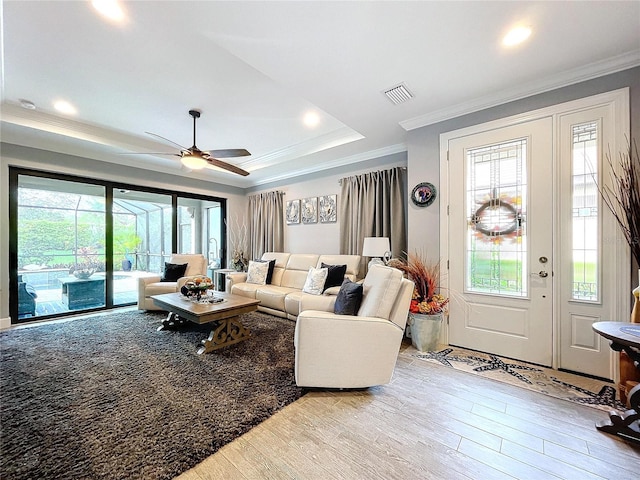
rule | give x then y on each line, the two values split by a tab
344	351
143	281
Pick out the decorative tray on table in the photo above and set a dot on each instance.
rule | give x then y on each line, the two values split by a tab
200	290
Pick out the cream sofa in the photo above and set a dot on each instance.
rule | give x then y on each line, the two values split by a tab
283	297
151	285
346	351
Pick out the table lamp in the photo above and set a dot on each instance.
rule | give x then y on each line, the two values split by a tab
378	249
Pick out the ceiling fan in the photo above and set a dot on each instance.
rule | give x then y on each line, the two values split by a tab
196	159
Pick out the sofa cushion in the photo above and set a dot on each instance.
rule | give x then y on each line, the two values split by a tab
315	280
335	275
173	271
258	272
380	289
196	263
298	301
272	296
272	266
245	289
281	263
349	298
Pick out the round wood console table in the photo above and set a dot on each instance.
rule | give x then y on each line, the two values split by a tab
623	336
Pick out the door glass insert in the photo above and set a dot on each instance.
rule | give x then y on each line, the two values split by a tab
496	211
585	221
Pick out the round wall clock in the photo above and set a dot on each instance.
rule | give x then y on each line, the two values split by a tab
423	194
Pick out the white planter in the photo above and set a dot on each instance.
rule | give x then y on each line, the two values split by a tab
425	330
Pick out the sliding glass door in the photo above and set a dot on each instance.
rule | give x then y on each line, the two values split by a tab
141	239
60	246
81	244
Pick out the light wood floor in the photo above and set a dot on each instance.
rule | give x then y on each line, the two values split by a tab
431	422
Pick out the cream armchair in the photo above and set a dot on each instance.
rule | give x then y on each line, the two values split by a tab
151	284
345	351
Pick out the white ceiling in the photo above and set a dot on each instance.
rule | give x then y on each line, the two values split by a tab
255	68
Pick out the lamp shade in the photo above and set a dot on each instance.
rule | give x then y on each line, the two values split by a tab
193	162
375	246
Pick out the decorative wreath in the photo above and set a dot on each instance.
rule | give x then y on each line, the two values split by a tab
508	228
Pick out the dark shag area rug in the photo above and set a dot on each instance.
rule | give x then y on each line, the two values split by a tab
109	397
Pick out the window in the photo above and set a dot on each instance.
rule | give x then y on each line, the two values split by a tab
585	219
496	210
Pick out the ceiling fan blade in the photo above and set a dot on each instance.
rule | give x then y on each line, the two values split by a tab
152	153
226	166
167	140
229	153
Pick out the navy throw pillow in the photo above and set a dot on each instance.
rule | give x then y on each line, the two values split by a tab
335	276
349	298
272	265
173	271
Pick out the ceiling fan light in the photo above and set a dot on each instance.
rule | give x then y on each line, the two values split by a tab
193	162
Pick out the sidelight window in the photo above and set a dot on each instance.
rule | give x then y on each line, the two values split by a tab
585	220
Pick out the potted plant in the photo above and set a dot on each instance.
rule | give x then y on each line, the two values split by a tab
86	263
428	306
126	242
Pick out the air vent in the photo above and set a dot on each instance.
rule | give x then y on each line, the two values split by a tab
398	94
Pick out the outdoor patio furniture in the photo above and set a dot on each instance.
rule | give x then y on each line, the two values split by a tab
26	298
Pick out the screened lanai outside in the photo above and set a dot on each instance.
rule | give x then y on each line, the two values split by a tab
62	254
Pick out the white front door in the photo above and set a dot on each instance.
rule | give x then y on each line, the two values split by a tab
535	257
501	241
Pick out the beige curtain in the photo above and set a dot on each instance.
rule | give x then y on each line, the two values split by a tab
373	205
266	224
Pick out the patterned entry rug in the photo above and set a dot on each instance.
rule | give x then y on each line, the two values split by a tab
574	388
110	397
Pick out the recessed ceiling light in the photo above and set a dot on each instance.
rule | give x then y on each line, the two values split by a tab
311	119
516	35
64	107
110	9
28	104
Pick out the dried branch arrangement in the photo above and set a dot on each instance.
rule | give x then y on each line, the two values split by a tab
623	198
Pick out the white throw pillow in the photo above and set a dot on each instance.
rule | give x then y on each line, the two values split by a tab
315	280
257	272
380	289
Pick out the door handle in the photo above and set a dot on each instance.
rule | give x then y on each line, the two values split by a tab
541	274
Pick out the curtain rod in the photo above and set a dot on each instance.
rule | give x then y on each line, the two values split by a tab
373	171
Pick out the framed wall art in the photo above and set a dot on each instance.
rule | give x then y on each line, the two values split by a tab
423	194
293	212
328	208
309	210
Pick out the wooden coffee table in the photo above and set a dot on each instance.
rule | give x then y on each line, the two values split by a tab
226	314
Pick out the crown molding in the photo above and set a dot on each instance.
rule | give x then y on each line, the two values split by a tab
566	78
360	157
332	139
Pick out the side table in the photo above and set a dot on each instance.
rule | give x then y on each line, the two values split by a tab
624	337
220	278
